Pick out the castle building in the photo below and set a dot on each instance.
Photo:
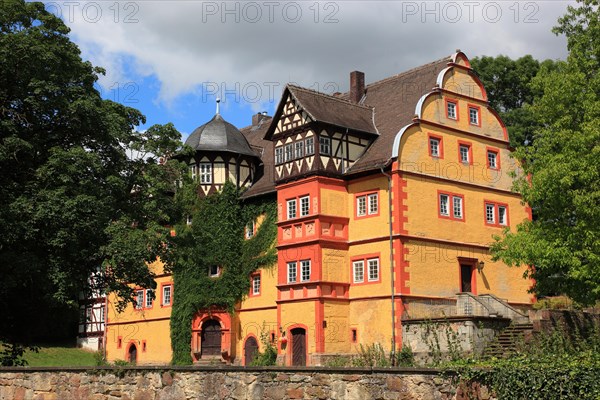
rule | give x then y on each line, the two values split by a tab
388	197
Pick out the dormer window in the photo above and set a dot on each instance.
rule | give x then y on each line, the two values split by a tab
324	146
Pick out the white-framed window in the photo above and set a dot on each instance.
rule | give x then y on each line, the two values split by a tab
205	173
502	215
457	207
167	291
214	271
310	146
256	284
473	115
324	145
292	272
434	147
139	299
451	109
291	209
289	152
361	206
304	206
373	200
249	230
305	270
373	266
490	216
194	171
464	151
492	158
149	297
299	149
279	155
444	200
358	271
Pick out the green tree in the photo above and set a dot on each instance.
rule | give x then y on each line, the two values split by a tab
509	90
562	169
80	189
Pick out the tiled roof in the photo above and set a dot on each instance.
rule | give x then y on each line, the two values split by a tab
394	100
255	134
334	110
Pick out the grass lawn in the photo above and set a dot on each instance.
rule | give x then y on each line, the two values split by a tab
56	356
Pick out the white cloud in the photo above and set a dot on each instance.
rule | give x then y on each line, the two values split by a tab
186	44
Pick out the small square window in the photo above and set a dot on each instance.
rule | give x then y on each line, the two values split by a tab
166	297
292	272
291	209
305	270
451	110
205	173
256	284
464	151
434	147
299	149
358	271
373	204
474	116
310	146
149	298
490	214
457	207
492	158
444	200
324	146
373	265
279	155
304	206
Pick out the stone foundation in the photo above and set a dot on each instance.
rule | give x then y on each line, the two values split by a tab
178	383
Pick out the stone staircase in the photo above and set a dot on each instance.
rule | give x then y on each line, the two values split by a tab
506	343
210	361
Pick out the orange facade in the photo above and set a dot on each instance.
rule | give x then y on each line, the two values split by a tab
360	252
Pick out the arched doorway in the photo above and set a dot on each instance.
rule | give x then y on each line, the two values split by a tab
132	354
250	349
298	346
211	338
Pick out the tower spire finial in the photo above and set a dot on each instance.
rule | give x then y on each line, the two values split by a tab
218	101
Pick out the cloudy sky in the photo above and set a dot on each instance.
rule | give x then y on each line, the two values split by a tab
171	59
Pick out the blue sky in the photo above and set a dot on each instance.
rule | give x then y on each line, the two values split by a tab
171	59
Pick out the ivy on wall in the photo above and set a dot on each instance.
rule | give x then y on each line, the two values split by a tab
216	238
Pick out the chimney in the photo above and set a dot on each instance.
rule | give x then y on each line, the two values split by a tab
357	86
256	118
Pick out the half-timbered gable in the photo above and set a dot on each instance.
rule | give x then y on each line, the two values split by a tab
314	133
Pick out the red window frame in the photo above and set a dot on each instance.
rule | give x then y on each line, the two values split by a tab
476	107
487	160
162	294
365	259
366	195
441	145
470	146
455	102
252	276
496	223
450	215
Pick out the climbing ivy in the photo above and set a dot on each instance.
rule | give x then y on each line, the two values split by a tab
215	238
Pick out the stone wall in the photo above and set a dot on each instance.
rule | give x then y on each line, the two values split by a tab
178	383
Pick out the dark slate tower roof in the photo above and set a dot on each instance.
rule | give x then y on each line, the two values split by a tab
219	135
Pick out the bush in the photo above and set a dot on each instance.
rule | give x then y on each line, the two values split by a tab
405	357
268	356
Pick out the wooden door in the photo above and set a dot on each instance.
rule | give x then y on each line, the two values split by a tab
298	347
211	338
132	354
466	275
250	349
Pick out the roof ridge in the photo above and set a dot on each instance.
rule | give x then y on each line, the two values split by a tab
407	72
348	102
